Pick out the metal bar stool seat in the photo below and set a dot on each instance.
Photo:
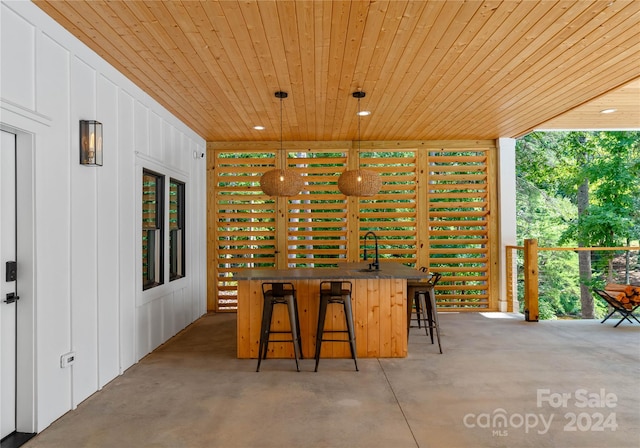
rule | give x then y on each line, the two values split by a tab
425	305
337	292
279	294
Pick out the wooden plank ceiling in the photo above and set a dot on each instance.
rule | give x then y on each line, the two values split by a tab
430	69
622	111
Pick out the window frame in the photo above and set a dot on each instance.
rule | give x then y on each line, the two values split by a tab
154	259
177	258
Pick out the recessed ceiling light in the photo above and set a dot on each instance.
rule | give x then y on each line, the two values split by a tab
364	113
259	128
608	111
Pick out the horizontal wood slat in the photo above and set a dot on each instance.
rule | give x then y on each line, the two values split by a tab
318	212
456	203
448	230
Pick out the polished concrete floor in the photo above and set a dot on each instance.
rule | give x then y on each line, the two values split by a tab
501	382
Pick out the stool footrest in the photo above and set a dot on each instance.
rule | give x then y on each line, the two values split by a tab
336	340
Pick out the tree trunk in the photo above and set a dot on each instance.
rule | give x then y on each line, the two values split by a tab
627	263
584	258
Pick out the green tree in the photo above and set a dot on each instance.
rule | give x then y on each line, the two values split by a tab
612	169
599	172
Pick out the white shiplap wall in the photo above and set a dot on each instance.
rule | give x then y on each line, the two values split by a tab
87	293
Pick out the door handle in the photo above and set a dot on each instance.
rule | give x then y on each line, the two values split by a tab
11	297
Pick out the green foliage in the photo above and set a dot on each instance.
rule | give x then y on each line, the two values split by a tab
541	215
558	286
539	162
550	167
612	168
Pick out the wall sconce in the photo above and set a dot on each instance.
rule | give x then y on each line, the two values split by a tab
90	143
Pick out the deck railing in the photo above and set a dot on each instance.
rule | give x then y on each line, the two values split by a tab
531	274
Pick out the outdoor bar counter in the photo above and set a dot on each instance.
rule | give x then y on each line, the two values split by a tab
379	300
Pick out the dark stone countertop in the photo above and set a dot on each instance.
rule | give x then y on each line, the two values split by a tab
355	271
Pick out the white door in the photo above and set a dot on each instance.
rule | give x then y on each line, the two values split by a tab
7	284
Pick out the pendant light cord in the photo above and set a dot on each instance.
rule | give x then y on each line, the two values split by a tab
359	135
281	95
359	95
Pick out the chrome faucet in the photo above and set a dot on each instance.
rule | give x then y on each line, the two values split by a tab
376	263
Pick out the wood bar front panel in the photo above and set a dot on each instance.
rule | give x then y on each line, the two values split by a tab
380	319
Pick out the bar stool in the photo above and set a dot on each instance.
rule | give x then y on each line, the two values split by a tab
414	302
285	294
424	302
338	292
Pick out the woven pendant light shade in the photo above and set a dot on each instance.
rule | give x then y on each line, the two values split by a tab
281	183
359	183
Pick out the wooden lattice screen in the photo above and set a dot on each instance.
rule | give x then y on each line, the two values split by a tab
391	214
317	218
458	200
245	221
433	210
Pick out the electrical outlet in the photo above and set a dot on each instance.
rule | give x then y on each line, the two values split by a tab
67	359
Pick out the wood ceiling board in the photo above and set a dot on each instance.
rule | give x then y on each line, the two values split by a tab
626	101
464	80
353	68
535	74
575	86
136	53
236	104
496	71
250	52
563	102
431	69
419	59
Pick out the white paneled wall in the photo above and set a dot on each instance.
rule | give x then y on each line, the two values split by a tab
107	190
87	226
18	89
84	238
127	224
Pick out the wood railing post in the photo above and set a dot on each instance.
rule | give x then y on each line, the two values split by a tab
531	280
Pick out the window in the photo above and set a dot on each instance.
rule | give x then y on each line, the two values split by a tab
152	229
176	229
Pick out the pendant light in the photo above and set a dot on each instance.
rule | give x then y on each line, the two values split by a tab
359	182
281	181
